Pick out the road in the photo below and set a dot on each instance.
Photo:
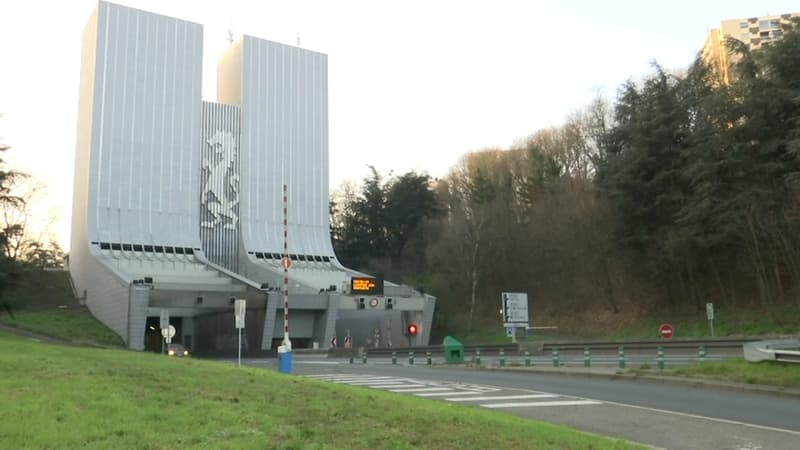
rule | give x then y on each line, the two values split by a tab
658	414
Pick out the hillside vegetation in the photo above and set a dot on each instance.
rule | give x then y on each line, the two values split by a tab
681	191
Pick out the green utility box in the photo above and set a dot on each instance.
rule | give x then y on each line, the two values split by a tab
453	350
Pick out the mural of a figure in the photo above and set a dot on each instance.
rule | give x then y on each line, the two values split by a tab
220	193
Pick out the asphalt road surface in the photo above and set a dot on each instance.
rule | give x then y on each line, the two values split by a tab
662	415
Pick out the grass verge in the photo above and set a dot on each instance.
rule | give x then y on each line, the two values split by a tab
765	372
71	397
71	324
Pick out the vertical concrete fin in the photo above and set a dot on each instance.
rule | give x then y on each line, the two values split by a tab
137	316
269	320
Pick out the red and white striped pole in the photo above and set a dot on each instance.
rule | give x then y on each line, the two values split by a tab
286	263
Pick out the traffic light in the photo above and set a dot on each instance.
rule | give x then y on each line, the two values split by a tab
412	329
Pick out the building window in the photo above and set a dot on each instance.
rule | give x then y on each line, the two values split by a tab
763	25
742	24
776	23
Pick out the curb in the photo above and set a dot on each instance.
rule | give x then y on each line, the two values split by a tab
779	391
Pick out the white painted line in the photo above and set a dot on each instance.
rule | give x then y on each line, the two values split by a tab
443	394
340	375
713	419
361	380
330	363
556	403
430	389
397	386
373	380
501	397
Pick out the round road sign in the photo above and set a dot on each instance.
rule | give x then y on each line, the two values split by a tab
286	262
666	331
373	302
168	332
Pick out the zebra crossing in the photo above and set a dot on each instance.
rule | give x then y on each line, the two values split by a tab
483	396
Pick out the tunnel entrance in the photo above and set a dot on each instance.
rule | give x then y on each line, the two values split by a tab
152	334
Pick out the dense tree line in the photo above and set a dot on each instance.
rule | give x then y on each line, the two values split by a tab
682	191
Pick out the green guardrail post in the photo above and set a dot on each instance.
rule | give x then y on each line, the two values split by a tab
394	358
502	358
364	357
587	357
621	354
556	359
351	357
702	353
477	357
527	358
428	356
410	358
660	358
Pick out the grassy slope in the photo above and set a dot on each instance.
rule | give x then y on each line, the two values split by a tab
46	306
69	397
739	370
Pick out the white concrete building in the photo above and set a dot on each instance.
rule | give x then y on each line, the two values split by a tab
179	203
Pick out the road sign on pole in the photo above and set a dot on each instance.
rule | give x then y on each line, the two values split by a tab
666	331
515	309
710	315
168	333
239	310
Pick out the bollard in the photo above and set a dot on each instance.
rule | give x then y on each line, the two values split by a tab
428	356
410	358
477	357
660	358
556	360
394	358
587	357
364	357
527	359
702	353
621	358
351	357
502	358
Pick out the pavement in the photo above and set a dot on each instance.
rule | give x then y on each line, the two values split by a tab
635	375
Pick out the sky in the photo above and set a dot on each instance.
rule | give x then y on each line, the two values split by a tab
413	84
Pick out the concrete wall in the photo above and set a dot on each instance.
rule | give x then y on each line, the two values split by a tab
284	101
137	154
144	158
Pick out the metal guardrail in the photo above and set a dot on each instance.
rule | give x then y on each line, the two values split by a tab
421	350
784	350
648	344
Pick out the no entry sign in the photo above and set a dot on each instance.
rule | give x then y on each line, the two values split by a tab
666	331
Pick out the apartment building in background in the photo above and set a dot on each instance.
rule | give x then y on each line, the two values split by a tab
755	32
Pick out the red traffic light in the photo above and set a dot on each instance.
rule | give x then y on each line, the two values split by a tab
412	329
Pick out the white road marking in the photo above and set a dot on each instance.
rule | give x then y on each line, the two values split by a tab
502	397
397	386
371	380
555	403
341	375
445	394
713	419
426	389
329	363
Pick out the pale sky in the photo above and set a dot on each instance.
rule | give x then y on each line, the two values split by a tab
413	84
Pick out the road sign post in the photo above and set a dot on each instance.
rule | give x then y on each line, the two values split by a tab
162	325
710	315
666	331
239	309
168	333
515	312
